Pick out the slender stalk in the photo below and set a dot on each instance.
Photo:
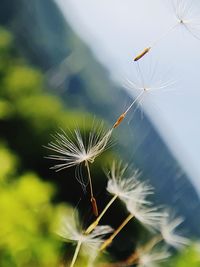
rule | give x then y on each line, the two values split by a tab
92	198
76	253
110	239
96	222
166	33
123	115
152	243
146	50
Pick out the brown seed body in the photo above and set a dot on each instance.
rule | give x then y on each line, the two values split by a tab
144	52
94	206
120	119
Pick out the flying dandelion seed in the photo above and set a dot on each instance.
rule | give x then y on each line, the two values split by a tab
146	78
169	234
187	15
76	149
70	231
127	187
124	187
146	214
144	82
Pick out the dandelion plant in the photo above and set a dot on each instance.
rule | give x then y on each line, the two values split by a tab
143	83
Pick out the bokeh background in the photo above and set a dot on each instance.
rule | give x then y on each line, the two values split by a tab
51	78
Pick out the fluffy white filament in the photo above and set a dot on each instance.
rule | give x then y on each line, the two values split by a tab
127	187
70	232
152	258
168	231
147	215
74	150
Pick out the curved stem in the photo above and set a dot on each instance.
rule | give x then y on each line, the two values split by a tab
76	253
96	222
110	239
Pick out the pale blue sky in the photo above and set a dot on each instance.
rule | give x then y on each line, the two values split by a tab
116	30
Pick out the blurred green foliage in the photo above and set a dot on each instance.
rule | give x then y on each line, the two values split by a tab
8	164
28	114
29	220
190	257
26	217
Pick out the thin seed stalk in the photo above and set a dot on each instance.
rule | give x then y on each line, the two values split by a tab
92	198
96	222
123	115
76	253
147	49
166	33
152	243
110	239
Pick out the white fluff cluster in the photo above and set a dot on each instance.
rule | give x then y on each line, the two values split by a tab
69	231
74	150
126	187
134	194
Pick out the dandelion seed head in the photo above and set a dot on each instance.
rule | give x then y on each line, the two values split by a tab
75	148
147	79
70	231
168	230
73	151
127	187
149	216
